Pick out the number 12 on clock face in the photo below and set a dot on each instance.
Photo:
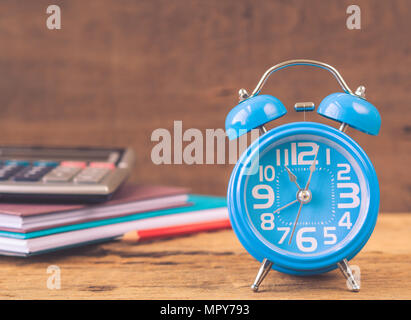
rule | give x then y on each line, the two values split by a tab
306	151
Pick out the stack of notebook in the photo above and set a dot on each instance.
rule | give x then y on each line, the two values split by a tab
27	229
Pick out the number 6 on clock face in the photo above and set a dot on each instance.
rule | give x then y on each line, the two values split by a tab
309	204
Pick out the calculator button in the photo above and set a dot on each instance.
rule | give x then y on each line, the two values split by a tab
108	165
46	163
77	164
32	173
21	163
8	171
91	175
61	174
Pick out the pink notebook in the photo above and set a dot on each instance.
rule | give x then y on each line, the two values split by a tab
130	199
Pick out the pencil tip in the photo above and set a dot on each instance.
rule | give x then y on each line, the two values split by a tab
131	236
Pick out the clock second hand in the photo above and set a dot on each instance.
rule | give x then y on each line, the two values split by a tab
295	223
312	169
287	205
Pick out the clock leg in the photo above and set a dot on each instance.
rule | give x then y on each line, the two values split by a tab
347	272
264	270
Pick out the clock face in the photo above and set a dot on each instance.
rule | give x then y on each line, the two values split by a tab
306	196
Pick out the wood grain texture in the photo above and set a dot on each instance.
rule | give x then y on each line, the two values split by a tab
206	266
116	71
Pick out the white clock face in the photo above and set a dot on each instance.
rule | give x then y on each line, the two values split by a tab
308	196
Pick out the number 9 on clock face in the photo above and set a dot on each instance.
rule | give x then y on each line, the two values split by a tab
309	200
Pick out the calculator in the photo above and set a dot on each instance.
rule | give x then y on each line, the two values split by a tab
62	174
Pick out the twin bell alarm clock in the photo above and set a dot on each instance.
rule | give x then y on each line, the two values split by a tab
303	198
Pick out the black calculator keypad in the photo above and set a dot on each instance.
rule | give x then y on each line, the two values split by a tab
62	174
7	171
78	172
32	173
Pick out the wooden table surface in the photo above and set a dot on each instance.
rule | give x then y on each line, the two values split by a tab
206	266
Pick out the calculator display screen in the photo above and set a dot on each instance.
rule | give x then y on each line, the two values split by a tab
60	154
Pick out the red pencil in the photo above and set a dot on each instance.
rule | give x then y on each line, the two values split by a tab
173	231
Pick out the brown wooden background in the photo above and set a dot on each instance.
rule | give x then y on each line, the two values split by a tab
117	70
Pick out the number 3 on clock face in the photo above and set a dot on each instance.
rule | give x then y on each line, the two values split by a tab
310	200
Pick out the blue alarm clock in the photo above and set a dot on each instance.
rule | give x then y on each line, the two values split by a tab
303	198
